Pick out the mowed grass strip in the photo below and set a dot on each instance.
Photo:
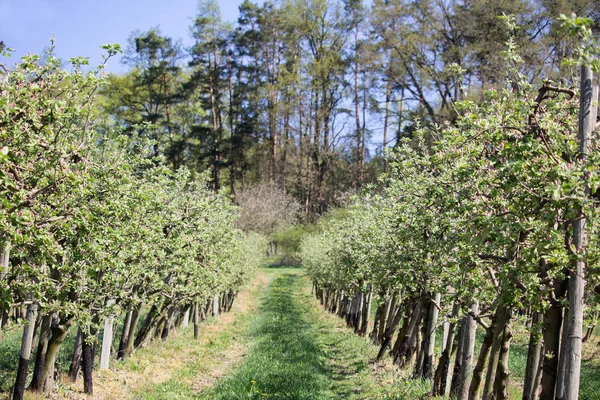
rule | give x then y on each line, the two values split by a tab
302	352
285	361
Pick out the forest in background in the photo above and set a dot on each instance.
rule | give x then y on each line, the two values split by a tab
306	95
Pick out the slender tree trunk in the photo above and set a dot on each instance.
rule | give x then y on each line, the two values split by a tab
386	119
359	152
387	316
186	318
77	355
168	321
468	348
232	302
25	356
420	351
503	372
37	382
135	318
502	319
430	336
588	333
455	383
124	335
409	342
442	373
144	332
484	353
422	337
5	265
389	332
87	362
534	358
360	299
376	323
366	312
553	321
407	311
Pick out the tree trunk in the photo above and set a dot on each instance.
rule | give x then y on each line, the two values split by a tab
389	332
430	331
215	308
442	373
144	332
534	358
167	327
468	348
421	337
553	320
455	383
502	371
387	315
59	333
409	342
5	265
135	318
484	353
25	356
420	351
186	318
77	355
588	333
37	382
366	313
502	319
360	300
87	363
124	335
377	321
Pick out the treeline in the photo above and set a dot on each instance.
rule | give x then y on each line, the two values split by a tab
488	224
94	226
299	93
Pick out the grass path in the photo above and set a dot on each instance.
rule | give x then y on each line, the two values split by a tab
301	352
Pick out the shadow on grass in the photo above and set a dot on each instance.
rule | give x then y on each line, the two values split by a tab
281	266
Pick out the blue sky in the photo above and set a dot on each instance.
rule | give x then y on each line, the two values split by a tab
81	26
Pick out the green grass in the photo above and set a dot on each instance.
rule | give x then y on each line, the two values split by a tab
285	361
300	352
180	384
